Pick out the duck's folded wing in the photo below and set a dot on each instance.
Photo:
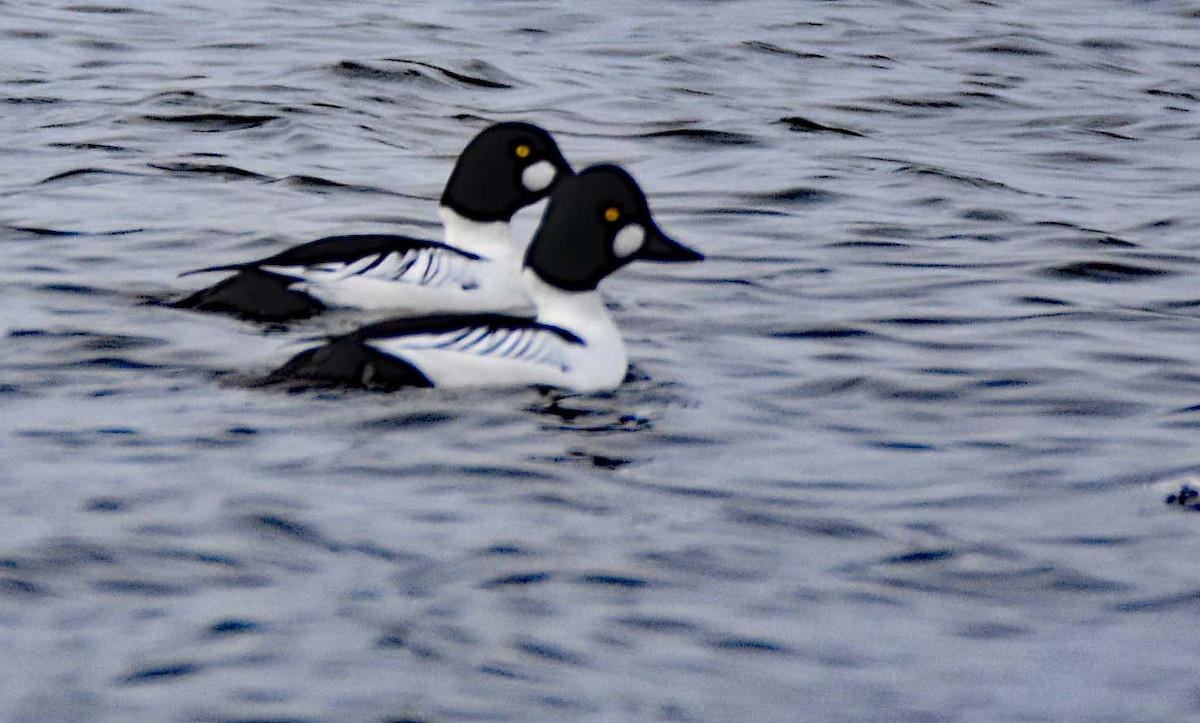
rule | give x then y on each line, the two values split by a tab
467	350
481	336
346	250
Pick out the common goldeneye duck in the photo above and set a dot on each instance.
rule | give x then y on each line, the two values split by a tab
595	223
503	169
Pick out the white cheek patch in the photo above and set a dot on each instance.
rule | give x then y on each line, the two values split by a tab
628	240
539	176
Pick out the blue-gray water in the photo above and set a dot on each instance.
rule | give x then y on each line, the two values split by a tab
889	454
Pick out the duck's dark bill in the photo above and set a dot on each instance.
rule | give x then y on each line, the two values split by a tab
660	247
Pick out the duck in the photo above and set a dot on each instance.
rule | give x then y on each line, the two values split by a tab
503	169
595	223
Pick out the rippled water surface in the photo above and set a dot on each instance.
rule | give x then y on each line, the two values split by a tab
890	453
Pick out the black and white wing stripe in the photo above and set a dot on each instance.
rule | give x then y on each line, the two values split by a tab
483	336
430	266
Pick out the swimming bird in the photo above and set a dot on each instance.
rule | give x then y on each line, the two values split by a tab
504	168
595	223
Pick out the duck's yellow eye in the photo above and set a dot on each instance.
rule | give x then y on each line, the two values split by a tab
523	151
612	213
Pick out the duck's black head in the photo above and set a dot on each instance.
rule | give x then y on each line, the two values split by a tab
503	169
596	222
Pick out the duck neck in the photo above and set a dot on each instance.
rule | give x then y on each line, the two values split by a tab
492	239
581	312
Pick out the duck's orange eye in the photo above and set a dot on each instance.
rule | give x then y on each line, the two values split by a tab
612	213
523	151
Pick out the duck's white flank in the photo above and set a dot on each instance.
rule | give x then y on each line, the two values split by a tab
529	357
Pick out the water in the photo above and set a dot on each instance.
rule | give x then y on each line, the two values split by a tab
894	451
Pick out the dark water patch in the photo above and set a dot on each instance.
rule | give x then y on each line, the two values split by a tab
233	626
257	719
213	122
873	244
1081	407
476	81
748	645
992	631
727	211
1120	357
800	124
798	195
772	49
923	103
1173	94
1071	581
921	557
102	45
594	419
231	46
823	387
115	363
554	499
320	185
299	531
394	637
204	558
986	214
523	579
932	320
1094	541
997	584
601	461
1105	272
822	333
504	549
16	587
841	529
210	169
510	473
161	673
657	624
705	136
507	672
1011	46
409	420
30	100
1112	134
696	561
1042	301
85	172
35	231
142	588
1077	158
946	371
626	582
104	10
1188	600
89	147
547	651
105	504
958	178
119	342
75	289
361	71
1001	383
894	445
24	34
1093	241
